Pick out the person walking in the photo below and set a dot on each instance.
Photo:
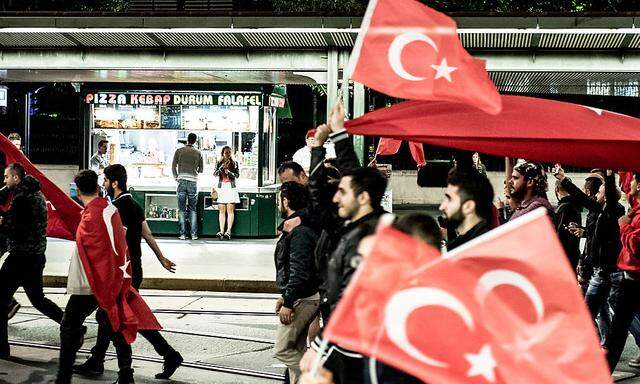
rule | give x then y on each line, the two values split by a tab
25	225
187	164
297	280
228	196
100	279
132	215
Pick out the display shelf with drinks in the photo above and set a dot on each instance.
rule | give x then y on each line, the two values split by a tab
161	207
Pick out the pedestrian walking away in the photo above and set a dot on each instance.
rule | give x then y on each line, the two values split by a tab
132	216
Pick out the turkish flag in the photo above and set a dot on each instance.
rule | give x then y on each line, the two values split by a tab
407	50
528	127
63	212
102	249
387	146
503	308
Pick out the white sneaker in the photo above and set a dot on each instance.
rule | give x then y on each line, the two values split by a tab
183	237
194	237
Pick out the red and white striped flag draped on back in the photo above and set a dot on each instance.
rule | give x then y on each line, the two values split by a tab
407	50
103	252
503	308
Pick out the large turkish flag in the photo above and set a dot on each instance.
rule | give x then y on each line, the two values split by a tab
406	49
528	127
503	308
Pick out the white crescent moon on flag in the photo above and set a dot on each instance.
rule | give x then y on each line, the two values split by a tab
395	52
495	278
404	303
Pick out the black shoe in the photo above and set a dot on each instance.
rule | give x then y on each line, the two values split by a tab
125	377
91	367
5	353
171	362
220	235
227	236
13	309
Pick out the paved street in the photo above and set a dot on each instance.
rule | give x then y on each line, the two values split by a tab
207	328
204	337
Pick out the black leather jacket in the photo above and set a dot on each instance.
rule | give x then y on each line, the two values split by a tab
25	223
296	275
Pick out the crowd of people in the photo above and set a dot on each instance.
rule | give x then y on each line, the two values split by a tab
331	213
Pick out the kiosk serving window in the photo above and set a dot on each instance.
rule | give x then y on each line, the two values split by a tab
145	129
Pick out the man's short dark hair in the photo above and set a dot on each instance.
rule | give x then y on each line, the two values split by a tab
476	187
86	182
17	169
117	172
592	185
14	136
293	166
191	138
103	141
421	226
296	194
367	179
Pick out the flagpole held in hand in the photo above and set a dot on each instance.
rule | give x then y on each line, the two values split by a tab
321	351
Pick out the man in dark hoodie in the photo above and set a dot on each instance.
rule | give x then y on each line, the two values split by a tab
567	212
25	225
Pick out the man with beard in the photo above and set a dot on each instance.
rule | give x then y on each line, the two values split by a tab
529	186
25	225
132	215
467	206
297	280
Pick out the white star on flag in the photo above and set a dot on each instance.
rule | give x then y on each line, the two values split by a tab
443	70
482	364
124	267
596	110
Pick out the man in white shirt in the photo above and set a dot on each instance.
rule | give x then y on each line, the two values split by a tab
303	155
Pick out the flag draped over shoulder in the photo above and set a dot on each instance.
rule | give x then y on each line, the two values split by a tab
491	311
102	249
63	212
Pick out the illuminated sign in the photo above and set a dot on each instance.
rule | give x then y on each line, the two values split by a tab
114	98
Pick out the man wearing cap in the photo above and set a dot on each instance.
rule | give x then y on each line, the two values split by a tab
303	155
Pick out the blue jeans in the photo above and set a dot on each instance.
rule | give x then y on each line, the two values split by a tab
600	296
187	196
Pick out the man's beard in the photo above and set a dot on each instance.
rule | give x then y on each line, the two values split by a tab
518	194
456	219
111	192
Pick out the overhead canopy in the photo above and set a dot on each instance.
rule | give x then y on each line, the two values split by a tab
531	128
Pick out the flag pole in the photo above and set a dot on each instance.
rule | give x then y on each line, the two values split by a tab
321	351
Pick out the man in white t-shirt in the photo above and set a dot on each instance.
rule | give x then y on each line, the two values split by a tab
303	155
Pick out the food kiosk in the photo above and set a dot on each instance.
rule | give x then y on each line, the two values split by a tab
145	127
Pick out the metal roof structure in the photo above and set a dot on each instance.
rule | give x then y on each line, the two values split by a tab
524	54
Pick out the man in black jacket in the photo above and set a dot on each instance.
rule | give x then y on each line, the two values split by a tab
605	245
349	215
567	212
25	225
297	281
467	206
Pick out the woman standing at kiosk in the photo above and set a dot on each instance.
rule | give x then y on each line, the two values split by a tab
227	172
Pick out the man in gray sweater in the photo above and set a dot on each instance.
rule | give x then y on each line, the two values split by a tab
187	163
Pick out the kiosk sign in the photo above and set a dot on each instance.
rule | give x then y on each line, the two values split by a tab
187	99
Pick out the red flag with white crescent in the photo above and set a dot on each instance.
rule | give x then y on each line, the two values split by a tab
408	50
102	249
63	212
503	308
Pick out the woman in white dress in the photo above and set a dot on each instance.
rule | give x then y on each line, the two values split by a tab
228	196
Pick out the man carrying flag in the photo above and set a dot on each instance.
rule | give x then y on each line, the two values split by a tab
100	278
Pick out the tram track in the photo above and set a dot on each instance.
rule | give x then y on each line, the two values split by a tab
213	335
221	295
188	364
199	312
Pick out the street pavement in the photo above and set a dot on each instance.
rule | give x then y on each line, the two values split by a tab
204	326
